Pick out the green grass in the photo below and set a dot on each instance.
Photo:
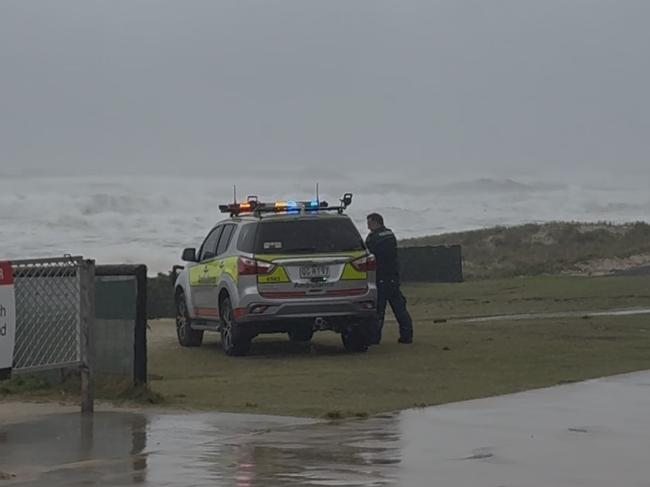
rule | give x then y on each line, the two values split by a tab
23	385
447	362
430	302
37	387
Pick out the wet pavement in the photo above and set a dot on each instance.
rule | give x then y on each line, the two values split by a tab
594	433
559	314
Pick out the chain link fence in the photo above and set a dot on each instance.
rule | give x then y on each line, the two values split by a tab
54	316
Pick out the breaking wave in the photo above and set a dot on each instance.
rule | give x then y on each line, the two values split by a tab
149	220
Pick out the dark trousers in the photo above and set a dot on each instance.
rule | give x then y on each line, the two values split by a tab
388	291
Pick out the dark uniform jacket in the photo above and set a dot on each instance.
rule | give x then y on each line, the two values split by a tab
383	244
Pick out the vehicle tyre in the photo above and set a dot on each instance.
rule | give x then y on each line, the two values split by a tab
187	337
355	338
300	334
233	341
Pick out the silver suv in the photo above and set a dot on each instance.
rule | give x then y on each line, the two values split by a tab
276	268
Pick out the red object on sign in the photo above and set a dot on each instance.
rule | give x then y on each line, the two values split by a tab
6	273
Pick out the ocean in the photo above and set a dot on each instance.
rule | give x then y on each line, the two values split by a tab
138	219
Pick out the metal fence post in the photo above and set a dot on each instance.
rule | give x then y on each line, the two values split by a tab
87	325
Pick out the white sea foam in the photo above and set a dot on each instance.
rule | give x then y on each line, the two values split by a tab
138	219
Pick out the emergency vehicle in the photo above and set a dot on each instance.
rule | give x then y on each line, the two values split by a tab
292	267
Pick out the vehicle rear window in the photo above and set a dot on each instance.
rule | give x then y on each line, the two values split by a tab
308	235
246	240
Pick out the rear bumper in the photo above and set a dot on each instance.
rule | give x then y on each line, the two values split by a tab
278	308
332	311
308	311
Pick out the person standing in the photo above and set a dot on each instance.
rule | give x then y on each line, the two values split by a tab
382	243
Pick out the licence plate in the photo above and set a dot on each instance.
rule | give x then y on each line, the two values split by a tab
314	271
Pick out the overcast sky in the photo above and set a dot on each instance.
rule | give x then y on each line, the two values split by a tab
502	86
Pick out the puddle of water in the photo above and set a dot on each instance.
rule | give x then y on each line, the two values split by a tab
534	438
178	450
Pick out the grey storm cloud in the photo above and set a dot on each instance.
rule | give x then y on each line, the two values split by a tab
323	86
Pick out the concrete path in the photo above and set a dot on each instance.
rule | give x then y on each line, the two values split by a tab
594	433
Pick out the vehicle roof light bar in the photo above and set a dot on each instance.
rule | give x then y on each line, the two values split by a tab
256	207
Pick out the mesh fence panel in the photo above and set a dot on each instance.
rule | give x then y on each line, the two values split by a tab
48	313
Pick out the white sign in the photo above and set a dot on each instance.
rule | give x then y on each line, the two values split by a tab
7	318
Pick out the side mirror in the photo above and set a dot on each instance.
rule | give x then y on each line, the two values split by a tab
347	199
189	255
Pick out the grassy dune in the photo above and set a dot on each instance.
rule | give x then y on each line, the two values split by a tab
548	248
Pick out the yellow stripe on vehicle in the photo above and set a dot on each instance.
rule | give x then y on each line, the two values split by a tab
278	275
204	274
351	274
230	267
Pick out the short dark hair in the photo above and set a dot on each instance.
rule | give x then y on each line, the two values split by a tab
377	218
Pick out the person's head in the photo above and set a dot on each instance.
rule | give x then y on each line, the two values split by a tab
375	221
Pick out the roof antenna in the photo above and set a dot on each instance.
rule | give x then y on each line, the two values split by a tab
317	197
234	193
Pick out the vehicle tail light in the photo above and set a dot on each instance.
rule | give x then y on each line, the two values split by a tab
264	267
365	264
252	267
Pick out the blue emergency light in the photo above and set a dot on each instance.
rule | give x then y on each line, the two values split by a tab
252	205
